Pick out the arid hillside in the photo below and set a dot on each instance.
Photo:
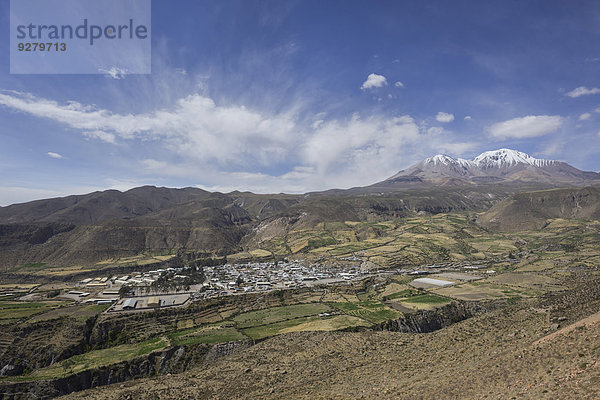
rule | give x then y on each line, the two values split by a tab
531	210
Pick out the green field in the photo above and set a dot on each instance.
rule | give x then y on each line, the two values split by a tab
401	294
426	299
18	310
304	324
277	314
206	334
95	359
80	313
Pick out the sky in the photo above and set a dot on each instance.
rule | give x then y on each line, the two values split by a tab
298	96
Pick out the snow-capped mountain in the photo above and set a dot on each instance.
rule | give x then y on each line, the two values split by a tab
506	158
491	166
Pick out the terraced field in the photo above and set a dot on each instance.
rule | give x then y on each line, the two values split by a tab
370	310
12	310
206	334
95	359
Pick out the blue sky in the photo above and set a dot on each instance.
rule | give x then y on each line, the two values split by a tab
294	96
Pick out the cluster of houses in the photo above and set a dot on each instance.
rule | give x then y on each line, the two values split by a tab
264	276
134	279
230	279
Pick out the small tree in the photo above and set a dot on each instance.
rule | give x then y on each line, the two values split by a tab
68	365
125	291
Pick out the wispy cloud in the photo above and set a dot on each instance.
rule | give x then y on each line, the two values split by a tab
233	146
374	81
399	84
114	73
526	127
54	155
582	91
195	126
585	116
103	136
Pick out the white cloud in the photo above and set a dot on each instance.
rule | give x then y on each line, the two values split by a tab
114	73
582	91
468	118
196	127
216	145
444	117
374	81
103	136
526	127
358	143
435	130
399	84
54	155
585	116
597	110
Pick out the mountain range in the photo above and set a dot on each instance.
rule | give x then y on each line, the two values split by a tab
100	225
498	166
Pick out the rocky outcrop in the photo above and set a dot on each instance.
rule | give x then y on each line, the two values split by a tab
170	360
433	320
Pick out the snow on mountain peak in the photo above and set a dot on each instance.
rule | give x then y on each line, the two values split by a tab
439	159
500	158
447	160
507	157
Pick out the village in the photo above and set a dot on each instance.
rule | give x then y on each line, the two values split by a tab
176	286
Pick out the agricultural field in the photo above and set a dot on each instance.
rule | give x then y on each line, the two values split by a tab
402	242
80	313
370	310
209	334
45	270
277	314
425	301
332	323
96	359
482	291
20	286
537	283
13	310
314	323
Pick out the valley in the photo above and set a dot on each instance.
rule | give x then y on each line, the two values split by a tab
323	288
